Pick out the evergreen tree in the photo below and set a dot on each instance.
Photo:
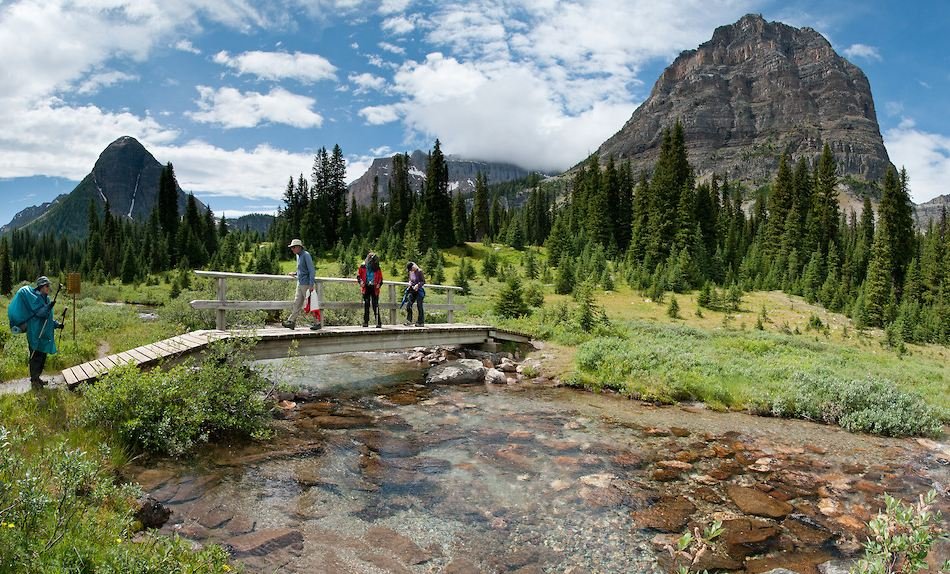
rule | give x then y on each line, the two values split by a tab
896	213
480	213
564	283
6	268
437	200
826	200
459	219
168	201
510	303
878	288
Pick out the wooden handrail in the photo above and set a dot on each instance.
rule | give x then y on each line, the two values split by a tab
221	305
265	277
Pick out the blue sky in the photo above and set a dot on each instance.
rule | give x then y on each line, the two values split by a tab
239	94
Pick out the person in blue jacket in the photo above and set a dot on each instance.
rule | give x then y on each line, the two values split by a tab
306	276
31	311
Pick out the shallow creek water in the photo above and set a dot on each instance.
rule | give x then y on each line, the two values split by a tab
383	474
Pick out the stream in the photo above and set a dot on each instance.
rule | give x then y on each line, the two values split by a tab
382	474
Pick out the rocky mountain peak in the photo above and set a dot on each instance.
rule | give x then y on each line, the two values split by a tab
126	174
754	91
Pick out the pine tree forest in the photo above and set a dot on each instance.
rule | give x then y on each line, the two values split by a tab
658	232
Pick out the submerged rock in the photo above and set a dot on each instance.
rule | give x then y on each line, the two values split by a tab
752	501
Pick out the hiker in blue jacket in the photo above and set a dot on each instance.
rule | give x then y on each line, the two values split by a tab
306	276
31	311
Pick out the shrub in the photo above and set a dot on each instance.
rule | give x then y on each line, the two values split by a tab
872	405
61	511
901	537
171	411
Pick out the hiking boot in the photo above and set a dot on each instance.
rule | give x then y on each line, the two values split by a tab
316	326
38	383
407	324
288	324
419	324
365	325
379	325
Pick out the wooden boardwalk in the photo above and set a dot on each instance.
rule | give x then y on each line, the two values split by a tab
275	343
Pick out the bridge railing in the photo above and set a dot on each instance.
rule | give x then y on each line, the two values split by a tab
222	305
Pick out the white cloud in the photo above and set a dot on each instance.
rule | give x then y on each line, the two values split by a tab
49	44
392	48
399	25
381	151
925	155
232	214
306	68
855	51
258	173
231	108
393	6
93	83
366	82
53	139
186	46
378	115
455	101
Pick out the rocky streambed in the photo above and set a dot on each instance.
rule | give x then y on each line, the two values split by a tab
374	470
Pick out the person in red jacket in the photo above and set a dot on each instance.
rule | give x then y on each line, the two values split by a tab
370	278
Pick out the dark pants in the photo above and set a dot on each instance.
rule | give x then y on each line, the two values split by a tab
370	297
415	298
37	362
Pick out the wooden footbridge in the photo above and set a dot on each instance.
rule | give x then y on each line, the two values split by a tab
276	342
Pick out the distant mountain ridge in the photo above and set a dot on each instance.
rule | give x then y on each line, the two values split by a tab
125	174
753	92
462	174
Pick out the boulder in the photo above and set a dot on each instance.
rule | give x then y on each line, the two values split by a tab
496	377
457	372
151	513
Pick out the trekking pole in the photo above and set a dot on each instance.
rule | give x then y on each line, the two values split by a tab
62	322
48	315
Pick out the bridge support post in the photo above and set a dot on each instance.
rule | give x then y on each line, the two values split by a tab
392	309
220	322
451	312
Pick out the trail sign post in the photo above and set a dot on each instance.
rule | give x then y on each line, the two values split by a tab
73	286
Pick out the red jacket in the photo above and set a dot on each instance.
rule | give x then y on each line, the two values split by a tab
377	279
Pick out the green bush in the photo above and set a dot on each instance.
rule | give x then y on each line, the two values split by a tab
901	537
60	511
872	405
171	411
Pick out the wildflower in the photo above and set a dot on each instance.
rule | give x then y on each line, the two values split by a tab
226	568
118	541
10	525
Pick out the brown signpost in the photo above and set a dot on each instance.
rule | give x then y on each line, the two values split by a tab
73	287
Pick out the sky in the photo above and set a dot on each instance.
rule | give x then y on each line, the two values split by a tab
239	95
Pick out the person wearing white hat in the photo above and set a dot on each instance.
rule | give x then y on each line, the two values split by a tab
306	282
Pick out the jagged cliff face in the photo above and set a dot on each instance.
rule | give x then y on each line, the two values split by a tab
756	90
126	174
932	210
461	175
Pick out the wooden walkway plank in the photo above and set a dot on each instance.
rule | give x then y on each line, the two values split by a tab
70	376
148	352
139	356
107	361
